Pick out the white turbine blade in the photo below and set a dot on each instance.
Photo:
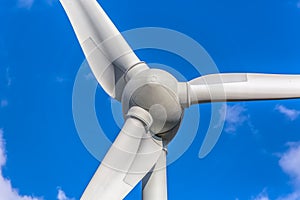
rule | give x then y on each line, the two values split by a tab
107	53
131	157
155	182
244	87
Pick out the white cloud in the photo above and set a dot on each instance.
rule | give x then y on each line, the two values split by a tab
291	114
2	152
62	195
25	3
235	117
290	164
7	192
262	196
293	196
8	77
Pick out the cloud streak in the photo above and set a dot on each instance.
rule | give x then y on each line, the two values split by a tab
235	116
7	192
8	77
262	197
62	195
289	162
293	196
291	114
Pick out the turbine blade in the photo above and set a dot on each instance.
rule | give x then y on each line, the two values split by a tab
106	51
131	157
244	87
155	182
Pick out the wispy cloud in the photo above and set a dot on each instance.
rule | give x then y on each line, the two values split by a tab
61	195
60	79
2	151
291	114
293	196
8	77
25	3
262	196
289	163
235	116
7	192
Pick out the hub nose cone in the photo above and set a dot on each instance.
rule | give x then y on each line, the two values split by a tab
155	91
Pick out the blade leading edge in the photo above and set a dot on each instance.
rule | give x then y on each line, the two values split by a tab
106	51
240	87
244	87
131	157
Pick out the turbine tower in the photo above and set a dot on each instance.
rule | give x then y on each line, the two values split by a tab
153	103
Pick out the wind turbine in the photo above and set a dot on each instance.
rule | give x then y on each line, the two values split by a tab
153	103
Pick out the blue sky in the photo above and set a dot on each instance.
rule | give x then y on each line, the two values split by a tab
41	155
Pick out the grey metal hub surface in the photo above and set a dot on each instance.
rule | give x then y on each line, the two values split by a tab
157	92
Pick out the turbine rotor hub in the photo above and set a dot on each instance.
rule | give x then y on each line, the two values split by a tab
157	92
